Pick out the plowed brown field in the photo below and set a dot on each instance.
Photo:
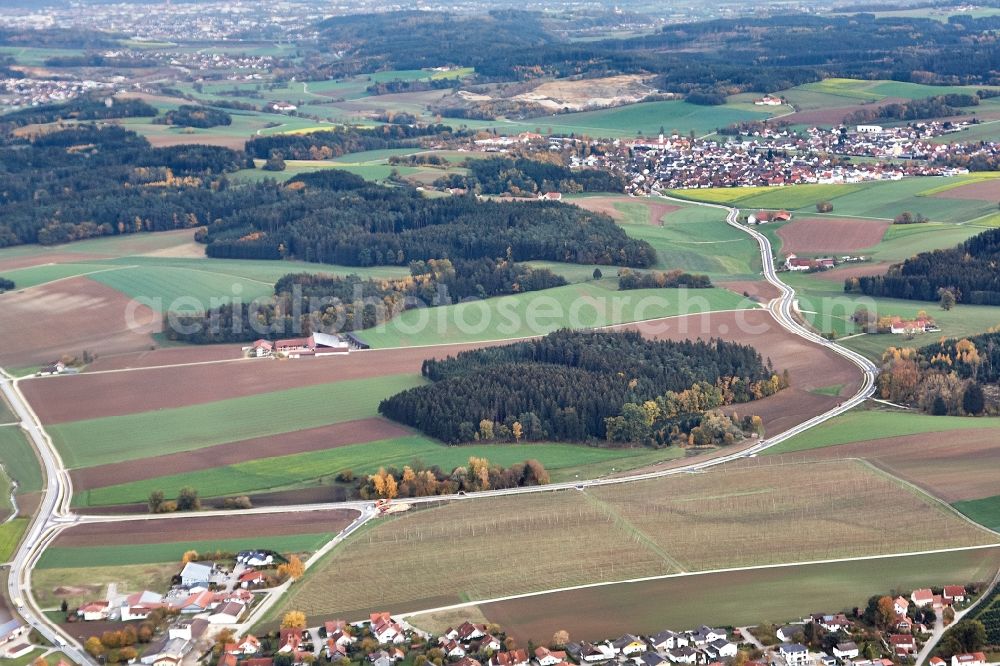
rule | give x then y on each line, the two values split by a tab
830	234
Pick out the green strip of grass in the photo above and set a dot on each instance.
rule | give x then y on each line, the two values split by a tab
152	553
18	458
861	426
564	461
10	535
984	511
117	438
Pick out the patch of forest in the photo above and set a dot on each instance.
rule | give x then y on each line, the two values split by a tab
193	115
305	302
499	175
89	181
628	279
89	107
588	385
335	217
334	143
968	272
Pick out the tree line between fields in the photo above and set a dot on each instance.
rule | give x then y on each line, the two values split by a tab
966	272
951	377
576	386
413	480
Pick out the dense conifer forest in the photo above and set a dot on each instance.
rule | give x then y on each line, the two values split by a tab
968	271
307	302
497	175
574	385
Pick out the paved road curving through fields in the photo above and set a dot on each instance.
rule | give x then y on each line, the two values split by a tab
54	513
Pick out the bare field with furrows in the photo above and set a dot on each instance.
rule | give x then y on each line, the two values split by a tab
759	512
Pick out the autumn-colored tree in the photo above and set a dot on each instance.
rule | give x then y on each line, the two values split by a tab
391	487
741	658
408	474
293	569
40	661
94	647
486	430
189	556
560	638
223	637
479	472
518	431
886	612
293	620
127	654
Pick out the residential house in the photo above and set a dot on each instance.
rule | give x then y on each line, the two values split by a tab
228	613
551	196
251	578
704	635
924	596
94	611
720	649
765	216
649	659
788	633
628	645
188	630
260	349
517	657
937	661
199	602
334	652
196	574
18	650
827	660
290	640
901	605
682	655
491	643
903	624
667	640
470	632
385	630
590	653
255	558
902	644
380	658
847	650
453	649
833	623
794	654
227	659
954	593
969	659
169	653
547	657
248	645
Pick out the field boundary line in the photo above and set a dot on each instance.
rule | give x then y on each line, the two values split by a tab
934	501
626	526
757	567
70	277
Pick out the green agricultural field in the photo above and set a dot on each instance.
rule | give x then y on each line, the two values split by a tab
10	536
856	426
583	305
564	462
857	91
36	275
135	436
775	595
698	240
638	529
175	288
18	458
59	557
36	57
984	511
645	117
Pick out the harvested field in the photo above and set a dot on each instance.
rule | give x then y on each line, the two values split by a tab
836	115
149	358
735	598
954	466
14	263
299	441
987	189
808	366
759	290
205	528
830	234
165	139
606	205
41	324
683	523
87	396
855	270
